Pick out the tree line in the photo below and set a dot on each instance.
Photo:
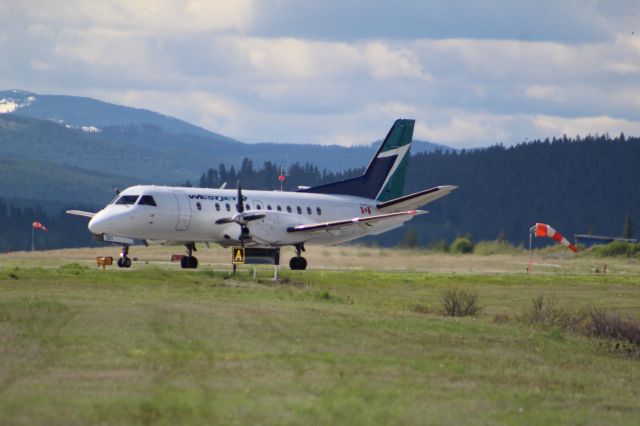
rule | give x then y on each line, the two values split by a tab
63	230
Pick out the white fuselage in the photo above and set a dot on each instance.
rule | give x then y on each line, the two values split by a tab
190	215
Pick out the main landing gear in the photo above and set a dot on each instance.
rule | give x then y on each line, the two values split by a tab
124	261
298	262
189	261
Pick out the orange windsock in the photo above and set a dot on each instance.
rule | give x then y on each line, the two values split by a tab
544	230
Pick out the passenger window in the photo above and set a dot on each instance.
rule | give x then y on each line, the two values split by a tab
268	206
299	210
217	207
259	207
309	211
228	207
288	209
147	200
198	205
279	208
248	207
318	211
127	199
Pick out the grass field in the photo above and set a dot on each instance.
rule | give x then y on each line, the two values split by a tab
158	345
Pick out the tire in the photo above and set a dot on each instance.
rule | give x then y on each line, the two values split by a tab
184	262
120	264
298	263
193	262
126	262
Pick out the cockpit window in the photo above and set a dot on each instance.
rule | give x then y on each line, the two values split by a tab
147	200
127	199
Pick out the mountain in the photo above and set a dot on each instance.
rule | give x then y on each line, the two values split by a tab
143	145
46	182
92	115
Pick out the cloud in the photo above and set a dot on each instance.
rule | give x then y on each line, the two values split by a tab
470	73
152	16
586	125
385	62
571	21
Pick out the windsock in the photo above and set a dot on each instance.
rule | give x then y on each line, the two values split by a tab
38	225
544	230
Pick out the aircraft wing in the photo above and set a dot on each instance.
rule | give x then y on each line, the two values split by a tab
81	213
415	200
398	217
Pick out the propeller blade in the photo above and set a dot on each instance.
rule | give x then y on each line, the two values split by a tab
240	203
250	217
224	220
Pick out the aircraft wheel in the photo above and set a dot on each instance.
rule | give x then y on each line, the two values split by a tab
298	263
124	262
189	262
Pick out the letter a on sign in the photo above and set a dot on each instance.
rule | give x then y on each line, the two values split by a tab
238	255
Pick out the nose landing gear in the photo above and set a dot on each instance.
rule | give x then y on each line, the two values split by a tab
298	262
189	261
124	261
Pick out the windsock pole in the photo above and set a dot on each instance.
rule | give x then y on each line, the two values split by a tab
530	259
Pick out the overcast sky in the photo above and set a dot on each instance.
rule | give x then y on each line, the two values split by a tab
472	73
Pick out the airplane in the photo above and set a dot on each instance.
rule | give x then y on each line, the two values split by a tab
327	214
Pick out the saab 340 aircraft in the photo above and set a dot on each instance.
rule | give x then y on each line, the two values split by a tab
327	214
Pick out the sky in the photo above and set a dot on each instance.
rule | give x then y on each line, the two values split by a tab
471	73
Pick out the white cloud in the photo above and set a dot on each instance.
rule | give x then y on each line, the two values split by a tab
586	125
385	62
545	92
286	59
471	74
154	16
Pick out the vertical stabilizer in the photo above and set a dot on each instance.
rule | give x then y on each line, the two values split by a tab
384	178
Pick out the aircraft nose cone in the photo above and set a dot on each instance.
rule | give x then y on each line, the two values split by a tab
99	224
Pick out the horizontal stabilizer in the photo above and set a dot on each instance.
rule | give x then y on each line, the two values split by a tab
81	213
415	200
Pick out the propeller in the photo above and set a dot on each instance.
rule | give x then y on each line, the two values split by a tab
241	218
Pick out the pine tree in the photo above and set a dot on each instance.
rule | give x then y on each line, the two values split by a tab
502	236
627	228
411	239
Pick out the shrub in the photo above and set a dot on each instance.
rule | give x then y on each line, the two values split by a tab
439	246
616	249
612	326
459	303
462	245
495	247
544	311
420	308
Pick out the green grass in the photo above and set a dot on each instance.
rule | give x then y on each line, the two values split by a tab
156	346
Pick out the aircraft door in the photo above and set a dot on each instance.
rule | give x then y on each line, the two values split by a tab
184	212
